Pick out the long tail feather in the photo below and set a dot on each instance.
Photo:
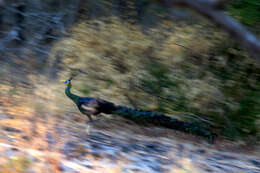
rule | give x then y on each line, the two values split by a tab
143	117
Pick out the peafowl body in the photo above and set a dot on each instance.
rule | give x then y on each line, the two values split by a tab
93	106
89	105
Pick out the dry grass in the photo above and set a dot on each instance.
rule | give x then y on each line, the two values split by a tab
114	53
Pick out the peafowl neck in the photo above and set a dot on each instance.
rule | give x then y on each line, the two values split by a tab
73	97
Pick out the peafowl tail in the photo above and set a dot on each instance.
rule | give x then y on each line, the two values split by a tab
148	117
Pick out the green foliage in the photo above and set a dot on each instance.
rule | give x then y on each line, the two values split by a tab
164	87
241	89
85	89
245	118
247	11
235	114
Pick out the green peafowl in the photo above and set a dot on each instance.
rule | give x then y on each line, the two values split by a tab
93	106
89	105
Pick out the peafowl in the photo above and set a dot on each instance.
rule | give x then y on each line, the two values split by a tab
89	105
93	106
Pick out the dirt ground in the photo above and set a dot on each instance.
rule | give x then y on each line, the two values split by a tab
30	142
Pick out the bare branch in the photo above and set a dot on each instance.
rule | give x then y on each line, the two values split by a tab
211	9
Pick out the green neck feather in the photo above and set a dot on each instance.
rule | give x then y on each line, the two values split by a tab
73	97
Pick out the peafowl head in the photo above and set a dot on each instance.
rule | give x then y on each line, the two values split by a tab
68	82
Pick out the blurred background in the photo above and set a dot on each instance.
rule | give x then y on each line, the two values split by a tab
137	53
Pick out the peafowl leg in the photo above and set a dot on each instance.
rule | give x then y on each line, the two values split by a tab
89	123
88	113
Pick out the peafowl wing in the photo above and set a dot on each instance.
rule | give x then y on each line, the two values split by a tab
92	106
